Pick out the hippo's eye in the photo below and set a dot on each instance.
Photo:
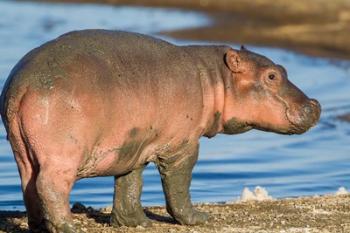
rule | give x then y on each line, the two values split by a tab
272	79
272	76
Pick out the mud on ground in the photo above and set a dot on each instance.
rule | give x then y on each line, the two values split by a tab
308	214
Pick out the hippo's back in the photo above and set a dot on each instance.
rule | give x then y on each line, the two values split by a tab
97	61
56	57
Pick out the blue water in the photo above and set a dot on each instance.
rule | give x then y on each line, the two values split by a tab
317	162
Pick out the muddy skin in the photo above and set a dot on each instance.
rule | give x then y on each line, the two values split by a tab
127	209
176	181
215	126
234	126
130	99
131	150
53	203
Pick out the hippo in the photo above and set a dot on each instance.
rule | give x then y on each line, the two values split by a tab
106	103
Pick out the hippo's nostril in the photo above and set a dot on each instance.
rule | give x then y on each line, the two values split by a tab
308	109
310	114
316	105
314	110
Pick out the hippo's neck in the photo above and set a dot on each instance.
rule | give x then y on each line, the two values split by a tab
214	75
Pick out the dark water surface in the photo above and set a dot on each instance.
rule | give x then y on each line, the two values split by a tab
317	162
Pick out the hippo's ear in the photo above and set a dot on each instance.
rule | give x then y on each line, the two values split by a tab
233	61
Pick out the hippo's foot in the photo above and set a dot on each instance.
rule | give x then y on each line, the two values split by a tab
137	218
191	217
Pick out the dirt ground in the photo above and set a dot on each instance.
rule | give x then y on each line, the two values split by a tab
304	215
315	27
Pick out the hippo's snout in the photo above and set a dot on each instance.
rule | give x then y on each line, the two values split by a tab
312	112
308	116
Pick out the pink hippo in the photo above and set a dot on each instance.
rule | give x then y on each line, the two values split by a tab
105	103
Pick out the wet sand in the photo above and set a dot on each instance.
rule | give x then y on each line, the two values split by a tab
319	27
308	214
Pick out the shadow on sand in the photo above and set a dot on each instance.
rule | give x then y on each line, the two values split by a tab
8	221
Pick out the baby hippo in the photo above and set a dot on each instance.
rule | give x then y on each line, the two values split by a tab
105	103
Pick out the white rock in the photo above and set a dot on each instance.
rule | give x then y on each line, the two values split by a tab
247	195
261	194
341	191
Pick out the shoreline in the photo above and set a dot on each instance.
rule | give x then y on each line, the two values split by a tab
317	28
329	213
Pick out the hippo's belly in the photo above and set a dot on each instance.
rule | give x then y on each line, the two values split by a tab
138	148
118	154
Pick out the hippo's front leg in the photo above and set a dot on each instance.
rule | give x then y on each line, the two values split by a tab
176	174
127	209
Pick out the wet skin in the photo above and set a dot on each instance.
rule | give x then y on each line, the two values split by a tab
106	103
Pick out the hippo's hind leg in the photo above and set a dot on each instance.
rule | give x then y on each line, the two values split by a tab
32	202
176	175
54	186
56	175
127	209
28	170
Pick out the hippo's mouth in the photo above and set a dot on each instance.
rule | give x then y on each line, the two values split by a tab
290	128
295	128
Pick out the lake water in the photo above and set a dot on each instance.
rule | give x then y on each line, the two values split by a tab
316	162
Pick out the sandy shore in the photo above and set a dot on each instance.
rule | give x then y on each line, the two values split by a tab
308	214
317	27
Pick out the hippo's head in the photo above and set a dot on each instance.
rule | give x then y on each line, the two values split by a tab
260	96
